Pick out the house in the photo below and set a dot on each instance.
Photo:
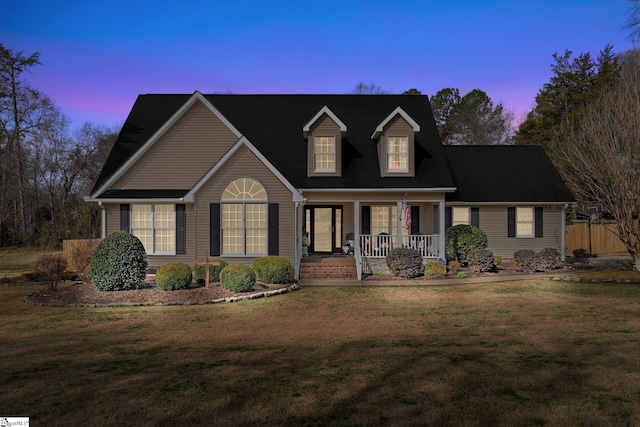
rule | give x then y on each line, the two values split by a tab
242	176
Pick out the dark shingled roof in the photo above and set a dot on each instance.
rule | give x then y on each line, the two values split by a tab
499	173
273	123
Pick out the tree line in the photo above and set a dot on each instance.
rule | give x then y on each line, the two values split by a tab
45	166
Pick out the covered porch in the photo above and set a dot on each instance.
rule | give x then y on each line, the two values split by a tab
369	228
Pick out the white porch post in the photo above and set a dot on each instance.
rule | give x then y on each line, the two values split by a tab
399	225
442	231
356	238
298	221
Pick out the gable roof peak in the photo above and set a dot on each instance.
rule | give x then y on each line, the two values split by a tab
324	110
403	114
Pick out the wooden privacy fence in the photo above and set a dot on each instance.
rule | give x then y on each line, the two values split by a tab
597	238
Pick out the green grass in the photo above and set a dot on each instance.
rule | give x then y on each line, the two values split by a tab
519	353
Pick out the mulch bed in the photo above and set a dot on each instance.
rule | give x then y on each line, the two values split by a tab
86	294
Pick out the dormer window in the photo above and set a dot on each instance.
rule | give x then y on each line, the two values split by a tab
324	154
397	154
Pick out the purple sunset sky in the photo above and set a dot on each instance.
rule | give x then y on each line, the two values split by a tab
98	56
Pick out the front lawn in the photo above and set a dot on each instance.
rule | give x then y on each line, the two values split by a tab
514	353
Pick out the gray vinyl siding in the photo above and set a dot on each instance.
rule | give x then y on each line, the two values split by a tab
113	225
182	155
493	221
245	164
324	126
397	127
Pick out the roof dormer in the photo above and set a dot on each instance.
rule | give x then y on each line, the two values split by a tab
395	136
324	134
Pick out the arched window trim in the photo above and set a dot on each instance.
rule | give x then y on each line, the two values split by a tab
244	220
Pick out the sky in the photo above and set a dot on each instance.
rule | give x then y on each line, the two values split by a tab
97	57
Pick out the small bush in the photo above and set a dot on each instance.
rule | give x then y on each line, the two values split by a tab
80	258
461	274
480	260
526	259
172	276
272	269
454	267
581	256
434	269
462	238
237	278
215	267
119	263
51	269
405	262
497	260
549	258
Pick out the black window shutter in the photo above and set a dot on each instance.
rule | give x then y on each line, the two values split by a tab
538	221
511	222
415	219
125	215
181	229
475	217
274	229
214	229
366	220
447	219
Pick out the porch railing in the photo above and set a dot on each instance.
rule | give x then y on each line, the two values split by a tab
378	246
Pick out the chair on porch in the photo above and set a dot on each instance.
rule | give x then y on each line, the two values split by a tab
350	239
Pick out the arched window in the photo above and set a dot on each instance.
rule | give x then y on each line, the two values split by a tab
244	218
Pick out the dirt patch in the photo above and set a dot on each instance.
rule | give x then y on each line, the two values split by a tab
86	294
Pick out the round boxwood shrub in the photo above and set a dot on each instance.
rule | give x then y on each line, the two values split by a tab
272	269
237	278
481	260
549	258
526	259
215	267
172	276
462	238
119	263
405	262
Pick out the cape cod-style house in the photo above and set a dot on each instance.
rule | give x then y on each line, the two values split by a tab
243	176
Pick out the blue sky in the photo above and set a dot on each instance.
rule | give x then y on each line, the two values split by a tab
98	56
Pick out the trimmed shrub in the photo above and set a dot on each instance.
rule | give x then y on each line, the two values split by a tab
405	262
453	266
172	276
526	259
461	239
581	256
549	258
272	269
237	278
434	269
51	270
119	263
497	260
461	274
480	260
215	267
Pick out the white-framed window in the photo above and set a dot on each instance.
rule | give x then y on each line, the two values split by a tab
244	218
525	222
155	226
384	219
324	154
397	154
460	215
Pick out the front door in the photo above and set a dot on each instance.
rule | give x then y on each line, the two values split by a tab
324	227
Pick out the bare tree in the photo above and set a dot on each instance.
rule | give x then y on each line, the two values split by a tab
369	89
600	159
